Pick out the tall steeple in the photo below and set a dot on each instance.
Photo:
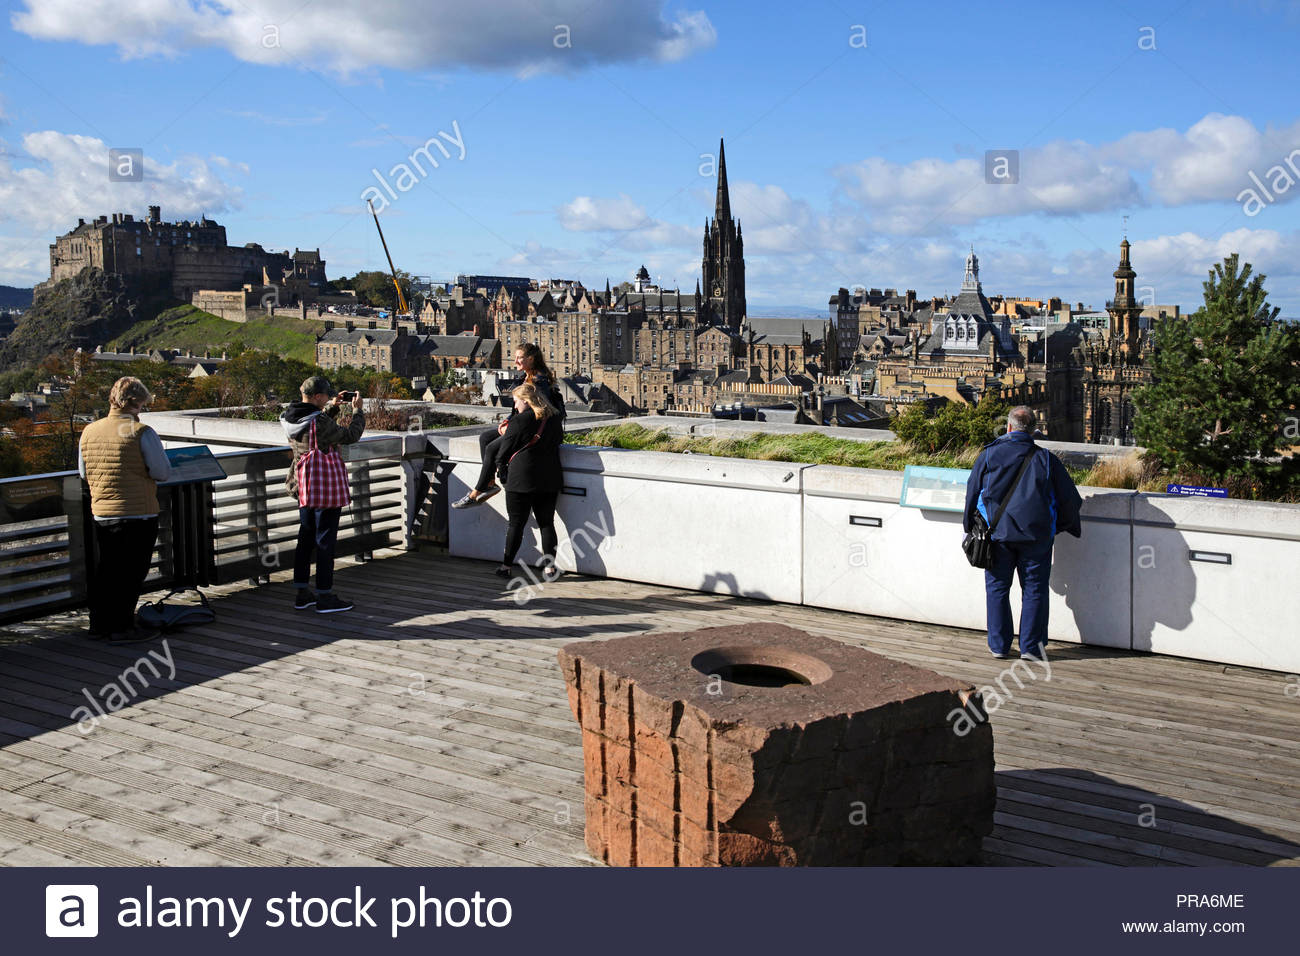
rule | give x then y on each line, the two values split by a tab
723	266
722	208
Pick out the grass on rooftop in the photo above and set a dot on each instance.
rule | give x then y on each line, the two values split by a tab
1130	471
809	448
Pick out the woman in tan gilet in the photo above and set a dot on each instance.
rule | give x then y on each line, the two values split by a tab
122	461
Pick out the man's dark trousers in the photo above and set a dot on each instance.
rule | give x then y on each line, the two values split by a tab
318	529
1033	561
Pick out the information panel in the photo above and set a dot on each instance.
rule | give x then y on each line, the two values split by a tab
935	489
192	463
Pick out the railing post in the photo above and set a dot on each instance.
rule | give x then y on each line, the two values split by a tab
76	505
258	536
362	506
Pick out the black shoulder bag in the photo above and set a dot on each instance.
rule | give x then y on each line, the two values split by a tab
978	544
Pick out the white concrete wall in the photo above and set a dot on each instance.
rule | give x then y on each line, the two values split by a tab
783	532
1239	613
912	566
688	521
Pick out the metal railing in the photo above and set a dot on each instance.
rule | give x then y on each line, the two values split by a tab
45	521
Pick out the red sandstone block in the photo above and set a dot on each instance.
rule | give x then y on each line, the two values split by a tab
697	844
652	713
620	796
618	761
593	697
593	763
620	838
693	728
744	849
661	788
653	748
692	761
595	827
573	698
819	738
693	800
653	848
658	816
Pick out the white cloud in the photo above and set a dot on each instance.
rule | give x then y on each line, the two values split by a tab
1210	162
517	35
68	178
591	214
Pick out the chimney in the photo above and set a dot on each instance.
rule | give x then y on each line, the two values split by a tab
81	222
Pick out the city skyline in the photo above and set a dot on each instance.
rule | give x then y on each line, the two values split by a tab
856	149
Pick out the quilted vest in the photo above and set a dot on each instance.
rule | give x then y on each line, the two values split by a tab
119	479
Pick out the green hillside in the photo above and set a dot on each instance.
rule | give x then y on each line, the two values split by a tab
186	327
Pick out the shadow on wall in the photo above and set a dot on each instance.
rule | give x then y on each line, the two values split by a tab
589	525
1116	567
1141	828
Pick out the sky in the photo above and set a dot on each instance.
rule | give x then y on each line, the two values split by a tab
577	139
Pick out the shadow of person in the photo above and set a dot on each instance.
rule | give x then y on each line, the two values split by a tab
1164	582
585	513
1042	812
1118	603
724	582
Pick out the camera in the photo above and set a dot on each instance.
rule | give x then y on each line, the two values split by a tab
347	396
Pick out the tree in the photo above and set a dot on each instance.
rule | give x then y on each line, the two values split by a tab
1225	380
954	427
376	288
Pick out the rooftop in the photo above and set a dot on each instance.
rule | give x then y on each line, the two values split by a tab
431	726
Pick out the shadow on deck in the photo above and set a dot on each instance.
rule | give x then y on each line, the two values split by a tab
430	726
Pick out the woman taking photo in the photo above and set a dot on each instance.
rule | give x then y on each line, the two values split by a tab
531	447
532	363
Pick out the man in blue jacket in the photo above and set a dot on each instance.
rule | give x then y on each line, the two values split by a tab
1044	504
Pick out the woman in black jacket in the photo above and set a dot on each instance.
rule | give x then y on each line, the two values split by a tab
531	447
532	363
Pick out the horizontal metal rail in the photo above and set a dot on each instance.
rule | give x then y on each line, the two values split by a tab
46	545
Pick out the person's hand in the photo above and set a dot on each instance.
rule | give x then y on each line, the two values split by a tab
501	426
356	401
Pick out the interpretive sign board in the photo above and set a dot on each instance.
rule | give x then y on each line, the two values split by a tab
934	489
192	463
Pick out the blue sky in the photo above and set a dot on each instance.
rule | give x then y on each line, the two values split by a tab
588	130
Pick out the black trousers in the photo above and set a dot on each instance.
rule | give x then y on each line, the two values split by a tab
489	446
123	550
318	532
542	507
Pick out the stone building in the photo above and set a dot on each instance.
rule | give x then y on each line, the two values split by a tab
194	254
402	353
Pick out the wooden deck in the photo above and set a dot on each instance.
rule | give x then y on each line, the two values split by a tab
430	726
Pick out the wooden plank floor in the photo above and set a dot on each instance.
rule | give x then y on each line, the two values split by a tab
430	726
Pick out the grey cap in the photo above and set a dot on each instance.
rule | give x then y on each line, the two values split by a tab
317	385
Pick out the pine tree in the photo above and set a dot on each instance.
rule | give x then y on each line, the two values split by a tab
1225	380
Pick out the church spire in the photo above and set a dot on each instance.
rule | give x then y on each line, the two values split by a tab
722	209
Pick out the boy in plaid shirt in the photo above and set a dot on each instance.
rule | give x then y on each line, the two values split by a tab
318	528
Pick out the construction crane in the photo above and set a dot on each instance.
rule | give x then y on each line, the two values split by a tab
402	307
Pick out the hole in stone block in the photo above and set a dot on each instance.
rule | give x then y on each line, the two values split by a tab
761	666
